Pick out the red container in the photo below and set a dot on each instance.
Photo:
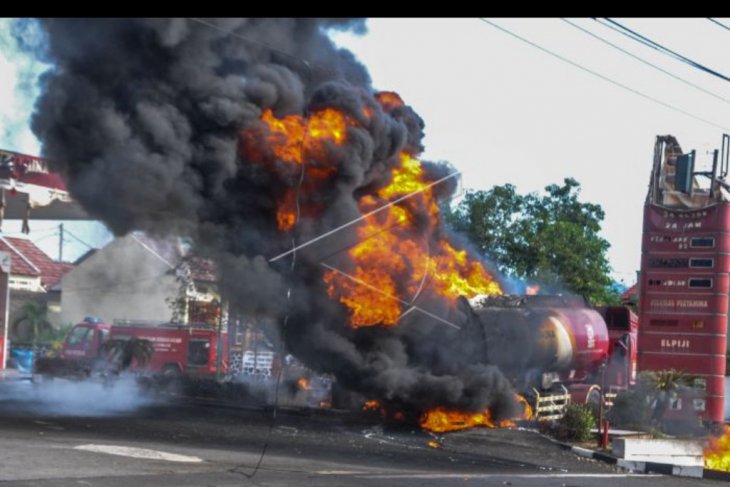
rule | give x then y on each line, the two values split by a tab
588	335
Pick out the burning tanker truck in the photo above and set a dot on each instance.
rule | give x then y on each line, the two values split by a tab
554	350
568	352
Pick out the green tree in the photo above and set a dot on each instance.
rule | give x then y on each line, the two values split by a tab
32	322
551	238
663	386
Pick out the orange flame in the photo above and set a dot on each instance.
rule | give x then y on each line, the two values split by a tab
389	100
401	246
371	405
393	259
293	137
717	453
303	383
441	420
286	143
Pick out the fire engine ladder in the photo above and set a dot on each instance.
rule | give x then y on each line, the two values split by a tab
551	406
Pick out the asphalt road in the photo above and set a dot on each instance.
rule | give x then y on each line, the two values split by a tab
89	436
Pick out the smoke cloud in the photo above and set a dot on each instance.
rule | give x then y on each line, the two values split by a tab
144	118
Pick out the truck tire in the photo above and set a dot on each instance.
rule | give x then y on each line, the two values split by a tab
171	372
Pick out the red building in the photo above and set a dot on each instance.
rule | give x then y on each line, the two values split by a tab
685	268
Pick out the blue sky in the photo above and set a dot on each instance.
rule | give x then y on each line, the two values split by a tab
502	111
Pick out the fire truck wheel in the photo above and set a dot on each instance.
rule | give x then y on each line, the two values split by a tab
171	371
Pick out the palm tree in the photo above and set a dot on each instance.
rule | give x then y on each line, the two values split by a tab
35	316
663	386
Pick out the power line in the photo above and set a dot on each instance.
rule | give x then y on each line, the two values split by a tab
54	234
603	77
628	53
78	239
665	50
718	23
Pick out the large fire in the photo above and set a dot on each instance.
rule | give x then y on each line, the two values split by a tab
401	246
717	453
441	420
290	142
395	255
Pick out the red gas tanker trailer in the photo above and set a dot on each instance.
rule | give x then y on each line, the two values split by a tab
555	349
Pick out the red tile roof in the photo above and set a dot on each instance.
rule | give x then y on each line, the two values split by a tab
626	295
26	259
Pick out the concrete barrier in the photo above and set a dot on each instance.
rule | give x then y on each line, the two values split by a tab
685	453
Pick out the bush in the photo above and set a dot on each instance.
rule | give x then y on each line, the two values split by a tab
577	423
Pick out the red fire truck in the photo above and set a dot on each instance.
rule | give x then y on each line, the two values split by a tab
177	349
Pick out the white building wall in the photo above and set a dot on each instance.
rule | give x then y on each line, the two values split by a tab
121	281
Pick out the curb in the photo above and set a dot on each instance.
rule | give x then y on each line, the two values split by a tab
649	467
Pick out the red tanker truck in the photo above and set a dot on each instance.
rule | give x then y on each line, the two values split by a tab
173	349
567	352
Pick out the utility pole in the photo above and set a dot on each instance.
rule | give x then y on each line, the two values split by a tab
220	346
60	242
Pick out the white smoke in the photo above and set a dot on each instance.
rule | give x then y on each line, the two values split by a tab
61	397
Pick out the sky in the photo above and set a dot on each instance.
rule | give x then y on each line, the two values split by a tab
503	111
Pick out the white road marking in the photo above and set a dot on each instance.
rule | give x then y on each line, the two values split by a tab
503	475
128	451
339	472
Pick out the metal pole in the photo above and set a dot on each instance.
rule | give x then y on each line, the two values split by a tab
219	349
60	242
600	406
5	303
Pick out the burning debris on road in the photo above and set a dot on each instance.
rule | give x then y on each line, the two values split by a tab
252	140
717	453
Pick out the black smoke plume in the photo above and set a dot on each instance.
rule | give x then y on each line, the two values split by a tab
144	119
